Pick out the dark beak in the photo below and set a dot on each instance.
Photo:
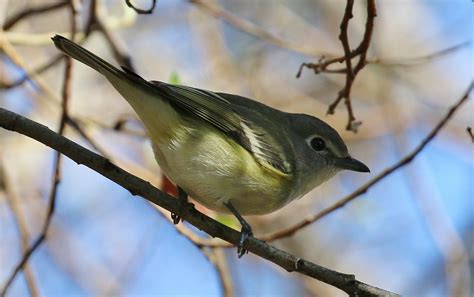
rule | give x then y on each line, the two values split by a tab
350	163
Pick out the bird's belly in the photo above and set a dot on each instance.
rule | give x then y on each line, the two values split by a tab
214	170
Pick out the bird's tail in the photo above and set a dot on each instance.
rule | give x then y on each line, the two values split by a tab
144	97
79	53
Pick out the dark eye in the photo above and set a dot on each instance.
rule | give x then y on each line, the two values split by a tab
318	144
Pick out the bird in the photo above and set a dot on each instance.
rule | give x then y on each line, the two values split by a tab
230	153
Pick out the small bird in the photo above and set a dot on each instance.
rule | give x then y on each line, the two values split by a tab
230	153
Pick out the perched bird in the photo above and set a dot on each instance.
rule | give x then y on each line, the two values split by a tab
230	153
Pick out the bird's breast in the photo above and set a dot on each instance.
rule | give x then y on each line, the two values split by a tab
214	169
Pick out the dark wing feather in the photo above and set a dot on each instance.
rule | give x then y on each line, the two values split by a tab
217	110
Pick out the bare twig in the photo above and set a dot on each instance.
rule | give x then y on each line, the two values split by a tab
217	257
142	11
469	131
351	73
74	124
352	125
20	221
11	21
27	76
363	189
137	186
57	163
118	49
13	55
252	29
407	62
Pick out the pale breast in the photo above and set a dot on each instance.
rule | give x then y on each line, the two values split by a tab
213	170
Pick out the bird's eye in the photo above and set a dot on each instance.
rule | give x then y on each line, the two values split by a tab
318	144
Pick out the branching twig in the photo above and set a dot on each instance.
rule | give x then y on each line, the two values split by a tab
323	64
350	71
137	186
363	189
142	11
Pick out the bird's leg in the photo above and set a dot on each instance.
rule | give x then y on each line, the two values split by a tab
245	232
183	202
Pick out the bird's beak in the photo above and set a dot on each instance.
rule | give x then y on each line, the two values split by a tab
350	163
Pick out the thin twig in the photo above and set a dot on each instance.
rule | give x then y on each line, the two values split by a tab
11	21
74	124
118	48
57	163
323	65
408	62
346	282
20	221
345	93
363	189
351	73
142	11
27	76
252	29
217	257
13	55
469	131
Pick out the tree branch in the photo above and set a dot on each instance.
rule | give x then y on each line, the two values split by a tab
346	282
350	71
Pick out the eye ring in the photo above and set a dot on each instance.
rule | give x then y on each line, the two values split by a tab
317	144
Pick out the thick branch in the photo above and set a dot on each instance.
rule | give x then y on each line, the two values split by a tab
14	122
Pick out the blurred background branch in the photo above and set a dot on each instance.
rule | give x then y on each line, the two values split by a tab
248	48
56	178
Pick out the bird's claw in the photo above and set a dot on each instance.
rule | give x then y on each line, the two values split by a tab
184	205
245	234
176	218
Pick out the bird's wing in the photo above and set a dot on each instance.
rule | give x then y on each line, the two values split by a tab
217	110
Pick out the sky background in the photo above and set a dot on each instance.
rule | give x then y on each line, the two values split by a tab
412	233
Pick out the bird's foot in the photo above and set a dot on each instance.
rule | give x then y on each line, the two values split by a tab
245	234
184	206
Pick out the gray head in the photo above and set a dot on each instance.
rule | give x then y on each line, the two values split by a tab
322	152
